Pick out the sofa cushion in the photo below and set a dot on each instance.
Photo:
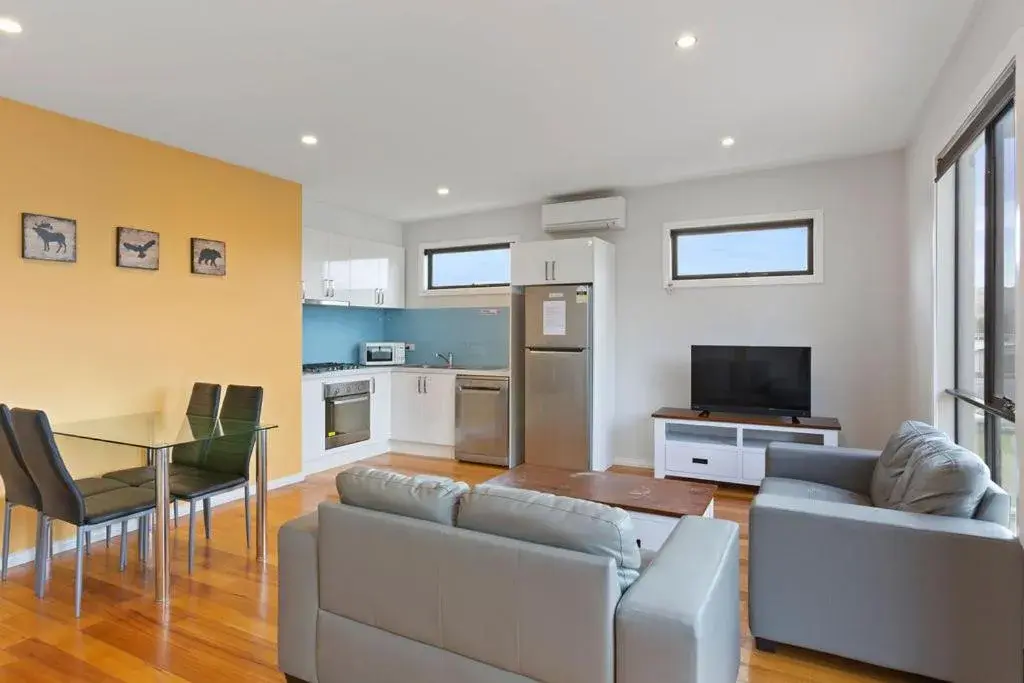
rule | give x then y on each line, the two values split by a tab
943	478
434	499
557	521
809	490
894	459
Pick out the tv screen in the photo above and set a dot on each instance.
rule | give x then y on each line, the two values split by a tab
751	379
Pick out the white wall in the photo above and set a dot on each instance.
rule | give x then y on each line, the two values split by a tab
323	215
855	321
981	54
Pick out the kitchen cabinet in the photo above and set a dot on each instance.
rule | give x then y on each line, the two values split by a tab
423	408
380	406
564	261
377	274
316	246
313	420
352	271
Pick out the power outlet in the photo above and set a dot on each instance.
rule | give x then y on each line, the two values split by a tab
410	347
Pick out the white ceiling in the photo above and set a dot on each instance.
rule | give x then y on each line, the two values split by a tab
504	101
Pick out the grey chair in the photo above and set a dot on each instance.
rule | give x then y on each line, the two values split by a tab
63	500
21	490
932	595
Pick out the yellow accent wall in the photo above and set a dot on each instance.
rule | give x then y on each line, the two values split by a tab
88	339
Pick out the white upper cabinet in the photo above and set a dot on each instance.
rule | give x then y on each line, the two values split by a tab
549	262
315	247
353	271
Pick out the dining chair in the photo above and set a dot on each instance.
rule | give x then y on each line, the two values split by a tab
21	490
224	465
204	402
64	500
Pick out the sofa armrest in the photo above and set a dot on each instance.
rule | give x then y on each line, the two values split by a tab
298	598
680	621
938	596
845	468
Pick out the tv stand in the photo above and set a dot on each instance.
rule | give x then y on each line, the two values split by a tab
726	447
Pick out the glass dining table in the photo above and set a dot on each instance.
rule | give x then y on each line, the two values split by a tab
157	433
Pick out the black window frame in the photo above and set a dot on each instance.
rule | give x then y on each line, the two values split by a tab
428	255
996	105
760	226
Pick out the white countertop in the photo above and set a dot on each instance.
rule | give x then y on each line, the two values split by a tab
381	369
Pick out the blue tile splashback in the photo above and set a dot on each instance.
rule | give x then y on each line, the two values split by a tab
333	333
477	336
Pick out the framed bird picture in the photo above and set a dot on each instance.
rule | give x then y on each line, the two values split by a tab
138	249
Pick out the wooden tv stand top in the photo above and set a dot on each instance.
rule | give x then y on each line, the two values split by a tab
666	413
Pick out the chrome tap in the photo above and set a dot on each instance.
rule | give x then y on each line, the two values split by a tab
449	359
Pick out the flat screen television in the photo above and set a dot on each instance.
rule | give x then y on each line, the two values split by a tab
774	380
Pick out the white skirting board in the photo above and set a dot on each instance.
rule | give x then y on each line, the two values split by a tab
99	536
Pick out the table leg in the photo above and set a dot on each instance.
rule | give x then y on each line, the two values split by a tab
261	495
161	531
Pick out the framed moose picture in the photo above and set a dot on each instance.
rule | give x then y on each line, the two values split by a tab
138	249
208	257
48	238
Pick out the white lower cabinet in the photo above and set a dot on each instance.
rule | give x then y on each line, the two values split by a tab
423	408
313	419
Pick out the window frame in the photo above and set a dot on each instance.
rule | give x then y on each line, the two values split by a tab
994	107
428	250
812	220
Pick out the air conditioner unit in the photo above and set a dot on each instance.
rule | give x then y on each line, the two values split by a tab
606	213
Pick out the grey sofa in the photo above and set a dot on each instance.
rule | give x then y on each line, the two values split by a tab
372	597
933	595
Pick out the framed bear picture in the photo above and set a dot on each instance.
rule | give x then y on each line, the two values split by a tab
48	238
208	257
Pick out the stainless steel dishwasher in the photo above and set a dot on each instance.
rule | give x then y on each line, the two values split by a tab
481	420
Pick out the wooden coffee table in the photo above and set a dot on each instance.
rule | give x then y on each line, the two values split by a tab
656	505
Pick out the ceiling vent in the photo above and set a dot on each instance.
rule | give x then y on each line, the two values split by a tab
605	213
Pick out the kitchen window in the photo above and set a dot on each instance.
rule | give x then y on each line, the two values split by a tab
470	266
977	191
754	250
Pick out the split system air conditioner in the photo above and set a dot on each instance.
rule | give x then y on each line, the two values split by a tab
606	213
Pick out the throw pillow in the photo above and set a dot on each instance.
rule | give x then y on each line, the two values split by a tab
943	478
558	521
894	459
434	499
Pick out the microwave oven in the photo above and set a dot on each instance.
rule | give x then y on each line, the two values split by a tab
382	353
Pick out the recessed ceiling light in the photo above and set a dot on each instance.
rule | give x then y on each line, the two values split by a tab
8	25
309	140
728	141
443	191
686	41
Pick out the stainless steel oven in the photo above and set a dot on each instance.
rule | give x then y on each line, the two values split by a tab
347	406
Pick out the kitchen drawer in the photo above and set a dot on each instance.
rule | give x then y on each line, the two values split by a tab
702	461
753	464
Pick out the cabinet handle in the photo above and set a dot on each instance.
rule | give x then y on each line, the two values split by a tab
426	385
419	385
373	385
303	283
699	461
553	276
547	264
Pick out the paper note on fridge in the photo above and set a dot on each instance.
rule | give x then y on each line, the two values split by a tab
554	318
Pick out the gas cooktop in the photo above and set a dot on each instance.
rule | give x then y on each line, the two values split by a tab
317	368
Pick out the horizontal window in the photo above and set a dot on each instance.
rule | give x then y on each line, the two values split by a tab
742	251
478	265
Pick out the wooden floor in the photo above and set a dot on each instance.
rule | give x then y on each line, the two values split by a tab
222	622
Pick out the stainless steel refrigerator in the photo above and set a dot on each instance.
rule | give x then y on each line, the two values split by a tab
558	376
